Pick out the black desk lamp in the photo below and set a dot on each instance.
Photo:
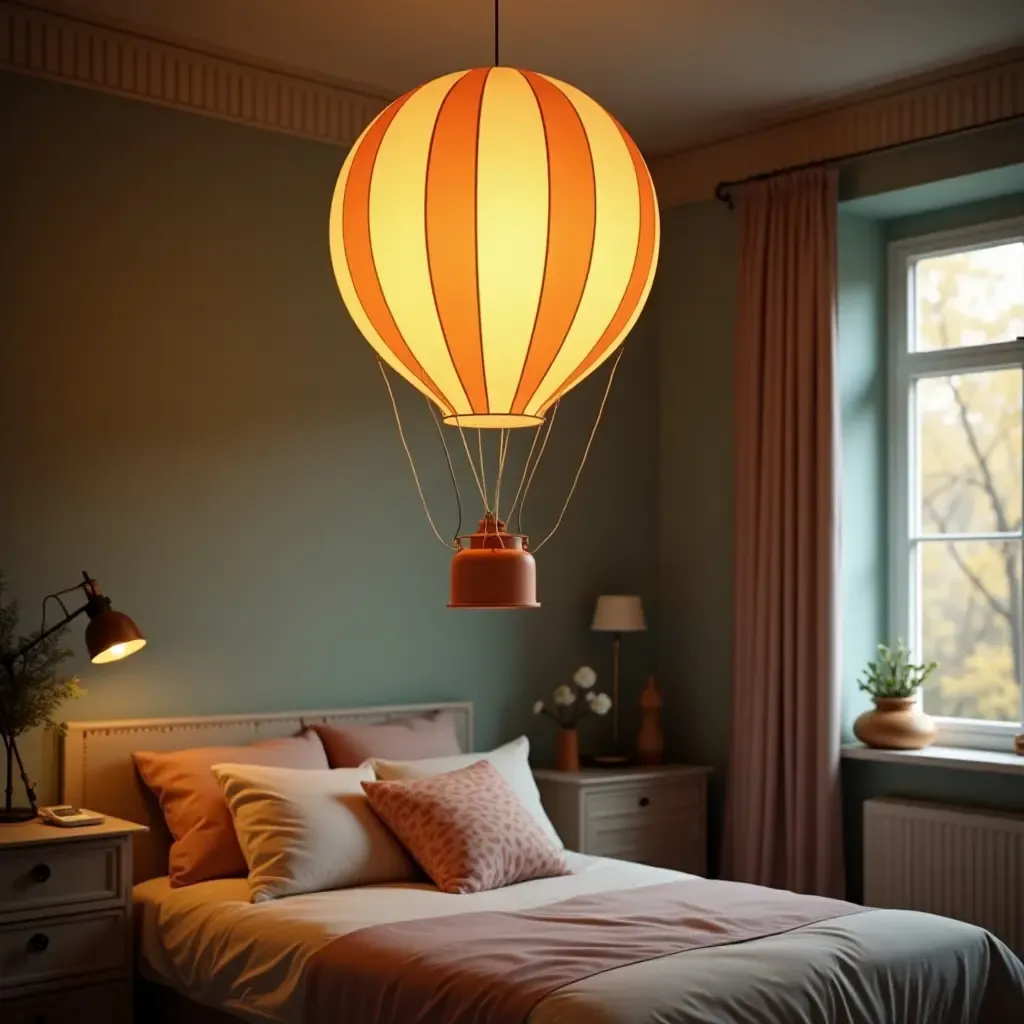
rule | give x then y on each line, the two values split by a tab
110	636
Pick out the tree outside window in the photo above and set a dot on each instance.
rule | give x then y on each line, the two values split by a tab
958	467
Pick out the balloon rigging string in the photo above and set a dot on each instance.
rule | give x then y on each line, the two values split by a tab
451	469
408	455
529	468
533	470
472	466
522	479
503	436
586	451
483	467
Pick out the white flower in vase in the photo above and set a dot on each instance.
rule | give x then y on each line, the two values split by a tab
601	704
584	677
564	696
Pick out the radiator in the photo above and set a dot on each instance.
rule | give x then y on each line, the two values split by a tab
956	861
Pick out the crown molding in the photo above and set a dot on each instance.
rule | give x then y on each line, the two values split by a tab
112	59
964	96
52	42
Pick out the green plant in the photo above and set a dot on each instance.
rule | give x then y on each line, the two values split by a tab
31	691
893	675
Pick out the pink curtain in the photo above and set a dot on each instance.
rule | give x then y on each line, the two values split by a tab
782	819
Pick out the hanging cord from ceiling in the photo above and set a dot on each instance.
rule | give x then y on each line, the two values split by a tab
586	451
412	465
497	29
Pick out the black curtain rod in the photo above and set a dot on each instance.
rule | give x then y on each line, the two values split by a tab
724	189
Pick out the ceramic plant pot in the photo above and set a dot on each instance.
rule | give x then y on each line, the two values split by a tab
568	756
897	723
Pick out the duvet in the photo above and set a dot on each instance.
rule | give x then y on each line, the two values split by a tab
612	943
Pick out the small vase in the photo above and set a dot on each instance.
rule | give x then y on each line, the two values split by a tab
1018	743
568	757
650	744
897	723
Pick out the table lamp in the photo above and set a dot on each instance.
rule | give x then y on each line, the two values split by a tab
110	636
617	614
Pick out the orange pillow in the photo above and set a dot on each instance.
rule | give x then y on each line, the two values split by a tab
194	807
406	739
467	829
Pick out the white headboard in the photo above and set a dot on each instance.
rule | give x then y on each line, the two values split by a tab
97	770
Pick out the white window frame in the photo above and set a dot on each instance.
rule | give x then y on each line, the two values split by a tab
905	368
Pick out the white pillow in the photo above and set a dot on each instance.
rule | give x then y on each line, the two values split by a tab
307	830
512	762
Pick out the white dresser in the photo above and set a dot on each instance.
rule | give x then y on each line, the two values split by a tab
65	923
654	816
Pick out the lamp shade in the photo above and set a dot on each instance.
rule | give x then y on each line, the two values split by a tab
111	636
619	613
494	234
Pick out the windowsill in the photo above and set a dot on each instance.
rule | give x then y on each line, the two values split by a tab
1003	762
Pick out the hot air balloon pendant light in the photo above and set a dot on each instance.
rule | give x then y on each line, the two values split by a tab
494	235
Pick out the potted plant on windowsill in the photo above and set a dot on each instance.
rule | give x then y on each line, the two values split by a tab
897	722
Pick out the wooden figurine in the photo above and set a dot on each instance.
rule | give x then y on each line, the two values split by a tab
650	743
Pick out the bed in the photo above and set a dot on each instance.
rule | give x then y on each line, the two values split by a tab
297	960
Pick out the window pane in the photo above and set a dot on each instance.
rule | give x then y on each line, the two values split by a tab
969	298
970	603
970	452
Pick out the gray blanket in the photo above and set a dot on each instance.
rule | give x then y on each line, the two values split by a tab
878	967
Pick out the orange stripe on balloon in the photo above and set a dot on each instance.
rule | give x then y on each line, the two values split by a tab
451	194
359	253
572	212
638	278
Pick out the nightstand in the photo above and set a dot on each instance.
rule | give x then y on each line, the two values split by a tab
654	816
65	923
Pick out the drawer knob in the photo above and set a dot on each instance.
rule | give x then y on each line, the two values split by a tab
644	801
38	943
41	873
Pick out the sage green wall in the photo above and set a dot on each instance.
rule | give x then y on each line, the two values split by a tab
191	416
696	296
860	383
957	216
696	306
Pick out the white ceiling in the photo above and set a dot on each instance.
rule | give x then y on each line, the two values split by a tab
673	71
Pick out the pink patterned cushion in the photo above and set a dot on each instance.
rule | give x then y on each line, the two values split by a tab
407	739
467	829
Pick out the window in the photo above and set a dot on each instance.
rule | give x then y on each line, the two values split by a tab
957	462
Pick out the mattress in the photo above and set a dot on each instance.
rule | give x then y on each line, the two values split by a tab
876	967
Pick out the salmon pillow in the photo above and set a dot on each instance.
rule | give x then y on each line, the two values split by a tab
467	829
349	744
197	815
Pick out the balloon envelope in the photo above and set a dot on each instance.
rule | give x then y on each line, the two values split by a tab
494	234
